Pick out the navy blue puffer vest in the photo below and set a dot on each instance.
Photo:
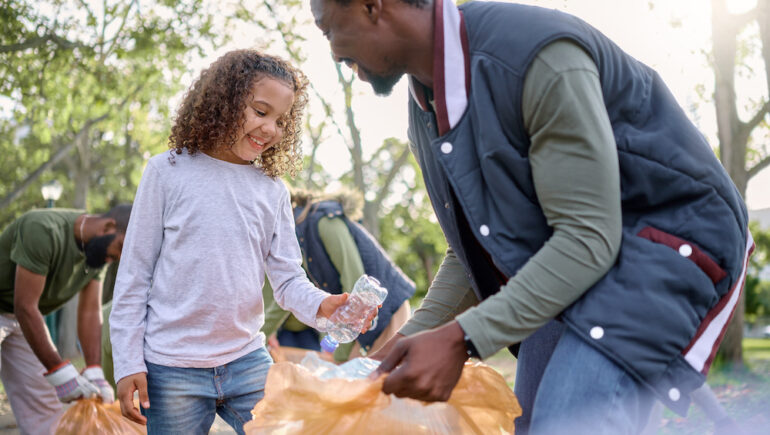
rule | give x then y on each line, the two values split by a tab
649	310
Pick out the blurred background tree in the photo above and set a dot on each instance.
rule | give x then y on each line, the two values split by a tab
740	52
758	289
87	88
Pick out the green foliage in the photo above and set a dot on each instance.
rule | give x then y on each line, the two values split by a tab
94	79
757	290
410	232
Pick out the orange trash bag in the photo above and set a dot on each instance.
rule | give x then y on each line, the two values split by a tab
299	401
91	416
295	354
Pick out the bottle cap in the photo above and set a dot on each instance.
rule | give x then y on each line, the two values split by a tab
329	344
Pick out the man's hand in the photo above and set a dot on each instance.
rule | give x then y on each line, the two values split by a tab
70	385
126	388
425	366
96	376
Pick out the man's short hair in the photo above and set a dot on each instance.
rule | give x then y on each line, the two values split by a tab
121	213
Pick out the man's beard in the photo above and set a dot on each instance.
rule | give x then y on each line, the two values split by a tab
96	250
382	85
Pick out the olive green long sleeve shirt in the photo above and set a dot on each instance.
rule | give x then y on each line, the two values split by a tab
575	172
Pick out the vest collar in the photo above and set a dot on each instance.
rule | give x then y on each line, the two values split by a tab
451	67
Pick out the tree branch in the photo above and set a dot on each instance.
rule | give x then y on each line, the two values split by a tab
756	169
62	152
58	155
750	125
37	41
384	190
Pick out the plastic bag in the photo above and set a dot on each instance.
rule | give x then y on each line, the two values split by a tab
298	401
91	416
295	354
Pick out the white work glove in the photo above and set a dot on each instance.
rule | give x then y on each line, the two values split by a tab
70	385
96	376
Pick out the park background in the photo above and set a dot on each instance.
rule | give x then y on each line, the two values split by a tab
89	88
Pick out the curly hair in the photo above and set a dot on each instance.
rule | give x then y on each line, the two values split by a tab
212	110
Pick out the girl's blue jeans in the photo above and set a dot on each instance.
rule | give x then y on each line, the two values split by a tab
186	400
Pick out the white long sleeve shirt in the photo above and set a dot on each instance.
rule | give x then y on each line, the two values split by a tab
203	233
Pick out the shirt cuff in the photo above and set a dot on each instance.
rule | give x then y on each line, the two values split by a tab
133	369
475	329
313	313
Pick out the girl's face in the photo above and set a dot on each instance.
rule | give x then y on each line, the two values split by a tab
266	107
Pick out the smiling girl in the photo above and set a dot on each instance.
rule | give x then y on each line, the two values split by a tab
209	220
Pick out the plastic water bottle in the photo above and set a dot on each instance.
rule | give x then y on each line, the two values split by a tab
347	321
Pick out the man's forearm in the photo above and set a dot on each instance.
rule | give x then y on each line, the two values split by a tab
36	334
450	293
90	336
90	322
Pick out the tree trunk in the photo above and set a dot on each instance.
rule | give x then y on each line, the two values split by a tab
68	320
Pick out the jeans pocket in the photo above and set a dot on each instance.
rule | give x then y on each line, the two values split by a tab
686	249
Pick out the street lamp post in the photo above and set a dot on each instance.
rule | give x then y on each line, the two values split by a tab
51	192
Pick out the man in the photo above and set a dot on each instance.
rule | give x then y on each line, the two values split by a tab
48	256
336	251
570	186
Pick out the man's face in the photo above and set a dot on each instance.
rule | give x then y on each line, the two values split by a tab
104	249
358	42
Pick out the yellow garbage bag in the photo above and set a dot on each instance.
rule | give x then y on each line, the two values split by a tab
91	416
298	402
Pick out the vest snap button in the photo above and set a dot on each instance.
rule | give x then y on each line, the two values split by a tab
446	147
685	250
674	394
597	332
446	205
484	230
309	259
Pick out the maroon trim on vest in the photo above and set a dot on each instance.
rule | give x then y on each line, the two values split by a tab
700	258
716	310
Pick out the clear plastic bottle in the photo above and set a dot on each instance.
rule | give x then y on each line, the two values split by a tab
344	325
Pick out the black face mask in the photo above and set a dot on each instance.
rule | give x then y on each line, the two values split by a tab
96	250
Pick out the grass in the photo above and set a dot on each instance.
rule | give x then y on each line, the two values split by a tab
744	394
757	349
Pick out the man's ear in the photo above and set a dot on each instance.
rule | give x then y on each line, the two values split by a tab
373	9
108	226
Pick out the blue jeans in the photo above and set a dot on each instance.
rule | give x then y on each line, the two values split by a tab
584	392
534	354
186	400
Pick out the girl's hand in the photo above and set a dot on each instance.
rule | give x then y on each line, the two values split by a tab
126	388
330	304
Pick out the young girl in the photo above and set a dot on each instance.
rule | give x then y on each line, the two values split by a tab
209	220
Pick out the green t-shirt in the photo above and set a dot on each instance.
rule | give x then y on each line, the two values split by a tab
43	241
